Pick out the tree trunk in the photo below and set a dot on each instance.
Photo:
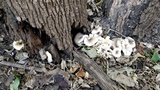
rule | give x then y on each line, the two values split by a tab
134	17
53	18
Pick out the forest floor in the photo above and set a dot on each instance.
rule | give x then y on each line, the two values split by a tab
18	70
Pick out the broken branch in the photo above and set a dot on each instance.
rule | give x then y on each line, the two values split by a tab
21	66
103	80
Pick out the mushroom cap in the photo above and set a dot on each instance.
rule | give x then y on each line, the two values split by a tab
130	41
105	41
79	38
116	52
18	45
117	43
103	44
127	51
91	40
97	30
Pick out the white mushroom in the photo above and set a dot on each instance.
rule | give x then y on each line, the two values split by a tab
116	52
127	51
105	53
79	38
97	30
90	40
104	41
18	45
103	47
127	46
130	41
117	43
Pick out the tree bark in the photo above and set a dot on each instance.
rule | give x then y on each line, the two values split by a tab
54	17
133	17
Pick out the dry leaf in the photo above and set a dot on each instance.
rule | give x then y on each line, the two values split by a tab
60	81
81	72
63	64
49	56
123	59
22	56
42	54
74	68
85	85
57	75
140	49
86	75
125	76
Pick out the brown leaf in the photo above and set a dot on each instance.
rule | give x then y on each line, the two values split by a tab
81	72
59	76
140	49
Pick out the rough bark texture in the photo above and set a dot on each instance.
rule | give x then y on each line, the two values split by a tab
134	17
54	17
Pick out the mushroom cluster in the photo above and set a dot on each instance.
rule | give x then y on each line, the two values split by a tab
115	47
88	40
106	47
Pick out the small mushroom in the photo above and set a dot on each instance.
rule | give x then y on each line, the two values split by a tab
18	45
116	52
97	30
127	46
79	38
91	40
127	51
117	43
104	41
130	41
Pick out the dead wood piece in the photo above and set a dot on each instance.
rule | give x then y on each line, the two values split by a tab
21	66
103	80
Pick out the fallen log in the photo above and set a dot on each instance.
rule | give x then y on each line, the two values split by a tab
96	72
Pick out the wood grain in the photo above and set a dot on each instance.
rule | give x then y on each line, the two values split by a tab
94	70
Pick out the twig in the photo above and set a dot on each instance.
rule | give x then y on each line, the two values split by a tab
117	32
21	66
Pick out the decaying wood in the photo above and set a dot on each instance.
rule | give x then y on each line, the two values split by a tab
124	15
134	17
9	64
54	17
103	80
148	28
